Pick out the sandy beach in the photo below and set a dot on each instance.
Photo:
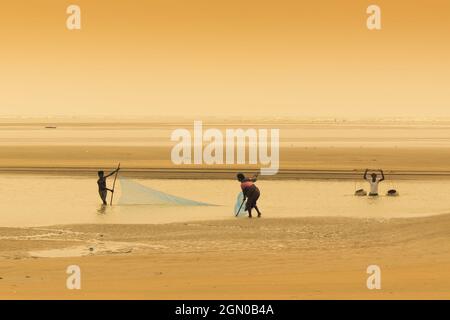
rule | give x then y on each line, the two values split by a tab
332	118
315	240
305	258
325	162
308	149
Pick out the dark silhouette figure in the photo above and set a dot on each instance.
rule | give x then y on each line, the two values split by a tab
251	193
102	189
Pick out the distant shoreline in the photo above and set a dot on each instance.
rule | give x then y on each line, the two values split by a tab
203	174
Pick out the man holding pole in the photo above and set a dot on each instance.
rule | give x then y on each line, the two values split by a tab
101	182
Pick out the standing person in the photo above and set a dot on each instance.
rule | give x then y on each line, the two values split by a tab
101	182
373	181
251	193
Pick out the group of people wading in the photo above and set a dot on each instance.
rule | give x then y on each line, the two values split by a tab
250	190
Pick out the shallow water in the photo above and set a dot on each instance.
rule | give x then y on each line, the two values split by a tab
36	200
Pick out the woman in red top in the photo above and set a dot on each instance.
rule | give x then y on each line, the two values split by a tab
251	193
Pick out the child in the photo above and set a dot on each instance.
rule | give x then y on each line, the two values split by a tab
251	193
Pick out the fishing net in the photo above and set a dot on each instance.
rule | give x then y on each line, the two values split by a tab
134	193
239	207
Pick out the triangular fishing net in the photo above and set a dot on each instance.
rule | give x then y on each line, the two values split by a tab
134	193
239	207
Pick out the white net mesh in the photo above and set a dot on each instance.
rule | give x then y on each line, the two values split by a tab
134	193
239	207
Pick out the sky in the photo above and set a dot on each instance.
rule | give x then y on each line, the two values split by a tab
222	58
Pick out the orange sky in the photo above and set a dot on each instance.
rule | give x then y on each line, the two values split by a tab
225	57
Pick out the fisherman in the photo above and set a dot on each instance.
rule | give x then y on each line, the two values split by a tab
373	181
102	189
251	193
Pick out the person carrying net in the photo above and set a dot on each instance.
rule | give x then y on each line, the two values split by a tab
251	193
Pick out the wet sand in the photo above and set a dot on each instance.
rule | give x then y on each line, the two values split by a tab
300	162
306	257
308	148
301	258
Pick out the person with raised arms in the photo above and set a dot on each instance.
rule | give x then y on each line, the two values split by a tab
373	181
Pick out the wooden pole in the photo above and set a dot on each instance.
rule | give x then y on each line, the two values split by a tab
240	208
114	185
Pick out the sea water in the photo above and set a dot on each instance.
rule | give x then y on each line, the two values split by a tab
40	200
